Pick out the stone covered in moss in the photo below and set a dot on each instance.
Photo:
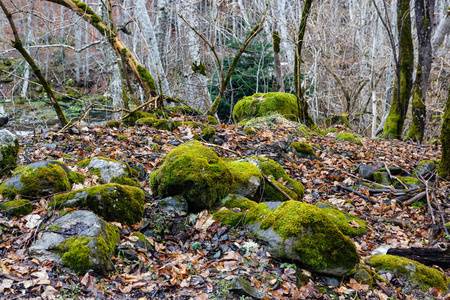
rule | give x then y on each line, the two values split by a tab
19	207
131	119
110	171
349	224
75	177
37	180
247	177
260	104
298	232
142	241
345	136
114	202
409	181
274	171
416	275
82	242
160	124
113	123
212	120
338	119
208	133
302	150
425	167
9	149
381	178
195	172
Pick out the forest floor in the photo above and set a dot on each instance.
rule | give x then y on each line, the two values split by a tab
201	263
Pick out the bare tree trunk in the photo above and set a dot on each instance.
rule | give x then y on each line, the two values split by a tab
441	31
194	69
154	63
28	38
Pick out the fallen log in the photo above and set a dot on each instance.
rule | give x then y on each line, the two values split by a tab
438	255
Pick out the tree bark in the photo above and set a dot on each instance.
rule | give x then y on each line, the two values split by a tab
17	43
424	19
402	88
444	165
303	113
441	31
154	58
28	37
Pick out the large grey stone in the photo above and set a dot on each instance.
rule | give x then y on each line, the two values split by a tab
79	240
109	169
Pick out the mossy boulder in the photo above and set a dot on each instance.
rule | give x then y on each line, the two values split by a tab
299	232
381	178
81	242
302	150
413	274
38	179
19	207
160	124
411	182
195	172
9	149
425	167
131	119
75	177
114	202
110	171
113	124
261	104
349	224
247	177
212	120
208	133
345	136
338	119
274	172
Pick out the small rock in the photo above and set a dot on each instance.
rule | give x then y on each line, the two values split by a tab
243	287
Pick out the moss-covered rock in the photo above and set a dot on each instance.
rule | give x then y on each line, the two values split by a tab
75	177
345	136
275	173
113	124
416	275
247	177
195	172
110	171
302	150
19	207
131	119
409	181
114	202
37	180
9	149
338	119
260	104
349	224
160	124
208	133
381	178
82	241
298	232
212	120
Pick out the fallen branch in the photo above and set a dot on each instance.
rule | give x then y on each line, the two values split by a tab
358	193
276	186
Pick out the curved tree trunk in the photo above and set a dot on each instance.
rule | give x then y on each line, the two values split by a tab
143	76
402	89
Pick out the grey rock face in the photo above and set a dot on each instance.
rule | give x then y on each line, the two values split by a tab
109	169
75	225
366	171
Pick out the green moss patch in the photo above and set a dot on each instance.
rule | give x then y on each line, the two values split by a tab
349	225
274	171
195	172
8	153
114	202
260	104
75	177
131	119
19	207
345	136
423	276
302	150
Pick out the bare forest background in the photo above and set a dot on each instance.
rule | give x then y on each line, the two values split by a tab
349	59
